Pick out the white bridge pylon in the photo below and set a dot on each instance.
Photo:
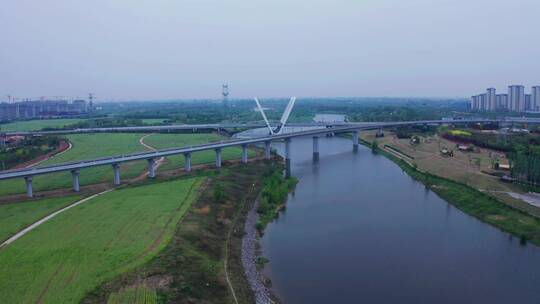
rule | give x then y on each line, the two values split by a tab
284	117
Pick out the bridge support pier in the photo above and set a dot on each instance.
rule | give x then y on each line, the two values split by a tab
315	148
151	168
29	190
287	157
355	140
267	149
244	154
75	177
187	162
116	170
218	157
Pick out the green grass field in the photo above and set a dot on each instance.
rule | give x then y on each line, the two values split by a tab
36	125
85	146
73	253
190	269
163	141
460	132
89	146
17	216
150	121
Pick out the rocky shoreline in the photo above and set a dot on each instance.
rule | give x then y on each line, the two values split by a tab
249	256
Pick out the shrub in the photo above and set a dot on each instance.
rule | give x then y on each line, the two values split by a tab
274	194
219	193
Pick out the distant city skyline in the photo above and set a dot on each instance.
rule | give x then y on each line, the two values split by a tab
515	99
155	50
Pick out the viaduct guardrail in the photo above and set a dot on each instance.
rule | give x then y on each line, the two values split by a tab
166	128
195	127
115	161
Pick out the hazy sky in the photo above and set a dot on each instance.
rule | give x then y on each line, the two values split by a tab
154	49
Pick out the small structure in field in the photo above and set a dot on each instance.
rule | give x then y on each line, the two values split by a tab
15	139
502	165
446	152
465	148
519	131
507	179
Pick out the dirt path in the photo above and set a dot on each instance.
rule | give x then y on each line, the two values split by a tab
52	156
64	146
63	191
231	288
225	266
530	198
48	217
159	162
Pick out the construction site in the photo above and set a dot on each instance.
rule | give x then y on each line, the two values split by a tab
43	107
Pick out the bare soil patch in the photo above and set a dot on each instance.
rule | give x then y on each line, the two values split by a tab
469	168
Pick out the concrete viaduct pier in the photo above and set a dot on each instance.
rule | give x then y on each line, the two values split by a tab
116	170
187	162
75	176
29	190
151	167
218	158
287	157
244	154
267	148
150	157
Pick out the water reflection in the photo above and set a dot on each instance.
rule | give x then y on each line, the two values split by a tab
358	230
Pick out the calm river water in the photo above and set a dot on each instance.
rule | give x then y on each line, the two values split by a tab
359	230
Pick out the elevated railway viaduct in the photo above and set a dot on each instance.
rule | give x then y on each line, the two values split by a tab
115	161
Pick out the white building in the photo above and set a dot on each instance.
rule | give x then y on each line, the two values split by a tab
483	101
474	102
535	98
515	101
528	104
491	103
516	98
502	101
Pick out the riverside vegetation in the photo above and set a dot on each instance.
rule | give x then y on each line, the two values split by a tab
191	268
274	195
476	203
202	239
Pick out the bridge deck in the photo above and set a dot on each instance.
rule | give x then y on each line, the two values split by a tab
114	160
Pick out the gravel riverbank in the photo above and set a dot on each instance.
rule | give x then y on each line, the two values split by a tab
249	255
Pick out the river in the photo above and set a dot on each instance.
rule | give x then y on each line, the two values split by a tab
359	230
